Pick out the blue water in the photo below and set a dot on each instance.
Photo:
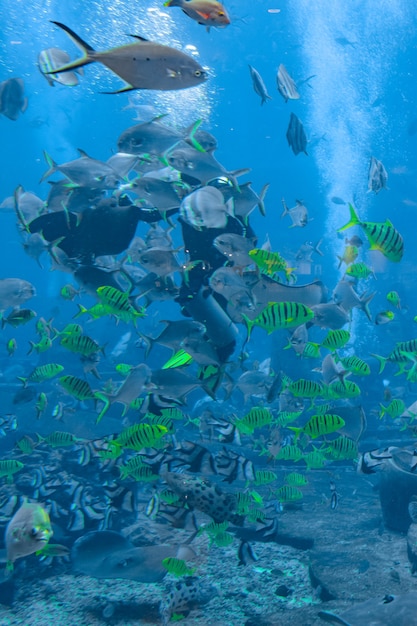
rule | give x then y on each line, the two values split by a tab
360	102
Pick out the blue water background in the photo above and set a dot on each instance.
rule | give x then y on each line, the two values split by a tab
361	102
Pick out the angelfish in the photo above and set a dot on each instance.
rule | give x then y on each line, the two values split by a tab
142	65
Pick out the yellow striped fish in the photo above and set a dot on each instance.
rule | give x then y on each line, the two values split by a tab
319	425
277	315
381	235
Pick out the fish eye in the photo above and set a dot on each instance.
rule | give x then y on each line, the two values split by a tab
221	14
34	531
197	73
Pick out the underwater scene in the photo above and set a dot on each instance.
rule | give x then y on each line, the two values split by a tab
208	361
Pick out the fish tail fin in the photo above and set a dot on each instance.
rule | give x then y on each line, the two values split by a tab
296	430
249	324
81	311
32	346
101	396
87	50
52	166
172	3
382	362
24	380
261	203
190	135
365	300
285	211
354	220
383	411
124	472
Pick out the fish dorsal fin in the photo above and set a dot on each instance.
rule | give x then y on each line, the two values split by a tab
139	37
83	153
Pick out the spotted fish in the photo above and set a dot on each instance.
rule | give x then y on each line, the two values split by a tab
203	495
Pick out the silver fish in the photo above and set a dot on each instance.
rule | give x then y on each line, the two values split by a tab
137	382
331	371
122	163
298	214
84	172
286	85
161	261
296	136
198	168
235	248
345	296
51	59
377	176
227	281
158	237
206	208
12	98
330	315
155	138
155	288
27	206
177	384
155	192
245	199
259	85
298	339
202	351
15	291
254	383
142	65
175	333
305	251
35	245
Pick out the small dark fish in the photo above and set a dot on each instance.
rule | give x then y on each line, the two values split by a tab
142	65
12	98
296	136
334	498
337	200
24	395
246	553
18	317
259	85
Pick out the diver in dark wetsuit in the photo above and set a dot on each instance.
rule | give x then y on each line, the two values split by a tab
196	298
